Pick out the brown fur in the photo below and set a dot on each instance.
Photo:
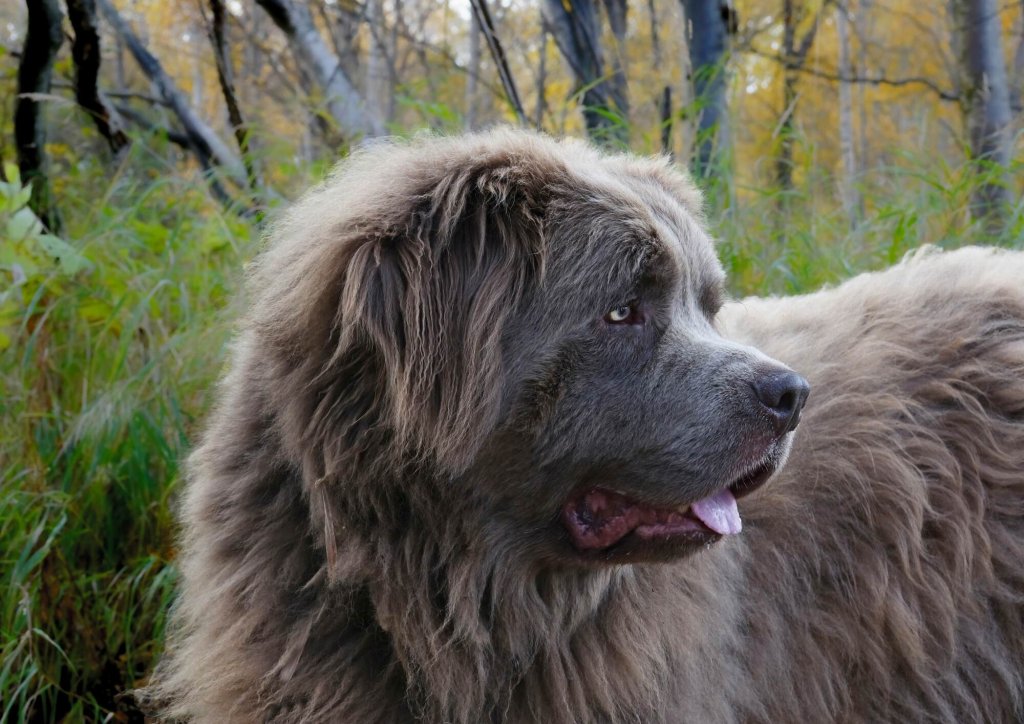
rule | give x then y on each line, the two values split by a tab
335	567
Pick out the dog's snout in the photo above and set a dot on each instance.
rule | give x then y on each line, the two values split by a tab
782	394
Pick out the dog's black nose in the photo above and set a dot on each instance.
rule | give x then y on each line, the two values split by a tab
783	395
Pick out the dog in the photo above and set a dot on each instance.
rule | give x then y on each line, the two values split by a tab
494	447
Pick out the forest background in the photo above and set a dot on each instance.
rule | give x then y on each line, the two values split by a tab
146	144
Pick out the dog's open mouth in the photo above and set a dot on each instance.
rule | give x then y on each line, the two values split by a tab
599	519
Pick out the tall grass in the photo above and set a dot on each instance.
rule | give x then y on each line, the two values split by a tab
105	372
107	361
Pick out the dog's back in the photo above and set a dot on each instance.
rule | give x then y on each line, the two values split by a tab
887	560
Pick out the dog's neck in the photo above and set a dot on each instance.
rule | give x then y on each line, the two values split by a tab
480	637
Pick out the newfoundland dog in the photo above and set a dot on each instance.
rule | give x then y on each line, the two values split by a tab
491	449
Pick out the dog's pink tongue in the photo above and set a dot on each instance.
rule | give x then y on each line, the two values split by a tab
719	512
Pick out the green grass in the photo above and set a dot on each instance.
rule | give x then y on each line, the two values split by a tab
107	364
105	373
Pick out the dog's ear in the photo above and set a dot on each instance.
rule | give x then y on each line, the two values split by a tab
431	292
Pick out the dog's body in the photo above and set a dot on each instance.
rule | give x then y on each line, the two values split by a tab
890	546
400	509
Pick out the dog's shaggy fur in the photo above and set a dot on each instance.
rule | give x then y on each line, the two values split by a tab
360	547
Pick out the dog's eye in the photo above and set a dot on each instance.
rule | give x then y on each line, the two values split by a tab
624	314
620	314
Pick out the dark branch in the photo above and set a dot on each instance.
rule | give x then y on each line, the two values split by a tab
210	149
86	54
227	86
118	95
483	19
342	100
800	55
176	137
128	95
186	142
834	76
42	41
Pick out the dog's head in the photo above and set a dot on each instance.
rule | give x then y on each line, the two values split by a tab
534	323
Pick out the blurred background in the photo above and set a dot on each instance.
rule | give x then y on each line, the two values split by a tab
146	144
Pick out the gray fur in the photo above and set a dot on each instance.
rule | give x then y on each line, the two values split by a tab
370	525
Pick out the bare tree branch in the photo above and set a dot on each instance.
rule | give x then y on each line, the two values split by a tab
119	95
129	95
343	30
486	23
836	76
178	138
225	77
184	141
343	101
848	190
208	146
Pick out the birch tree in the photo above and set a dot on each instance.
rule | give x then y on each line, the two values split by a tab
208	146
473	72
986	100
378	87
576	28
707	38
342	100
794	54
848	180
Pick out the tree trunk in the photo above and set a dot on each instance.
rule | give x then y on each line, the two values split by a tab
987	103
343	29
617	82
198	89
1017	77
784	158
253	60
86	54
474	72
119	74
342	100
794	54
399	22
226	78
206	143
665	114
863	28
42	41
664	101
377	87
848	181
575	25
707	39
542	76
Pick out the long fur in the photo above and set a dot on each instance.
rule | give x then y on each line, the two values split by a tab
328	576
